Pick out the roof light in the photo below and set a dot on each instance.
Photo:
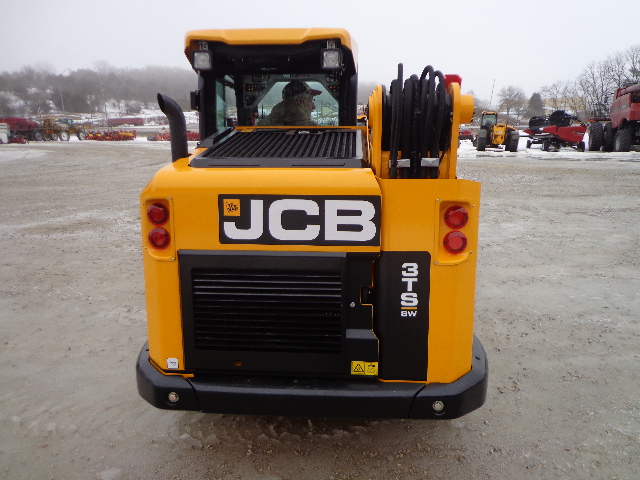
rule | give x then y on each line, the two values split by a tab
331	58
202	60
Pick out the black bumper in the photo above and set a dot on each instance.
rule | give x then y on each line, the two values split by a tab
315	397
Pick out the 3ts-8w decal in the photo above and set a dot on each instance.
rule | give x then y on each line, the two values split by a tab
309	220
409	296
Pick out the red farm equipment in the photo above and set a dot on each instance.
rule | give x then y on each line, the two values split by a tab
112	135
556	130
22	130
621	129
166	136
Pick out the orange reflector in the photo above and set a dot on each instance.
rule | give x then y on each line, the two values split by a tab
455	242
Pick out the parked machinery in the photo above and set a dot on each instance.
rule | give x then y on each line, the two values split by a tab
559	129
73	127
50	128
23	128
621	130
493	134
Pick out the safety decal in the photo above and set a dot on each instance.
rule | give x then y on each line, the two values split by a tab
172	363
364	368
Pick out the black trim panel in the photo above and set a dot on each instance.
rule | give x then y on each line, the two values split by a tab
401	314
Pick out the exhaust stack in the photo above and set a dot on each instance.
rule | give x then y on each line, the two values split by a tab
177	126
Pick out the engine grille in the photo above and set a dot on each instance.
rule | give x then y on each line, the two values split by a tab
291	148
259	311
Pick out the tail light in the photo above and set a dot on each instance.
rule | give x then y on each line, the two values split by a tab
455	218
455	242
159	238
158	234
157	214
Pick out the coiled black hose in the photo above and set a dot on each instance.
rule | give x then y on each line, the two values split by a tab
419	122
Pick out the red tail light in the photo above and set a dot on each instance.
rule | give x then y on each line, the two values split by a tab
159	238
456	217
455	242
157	214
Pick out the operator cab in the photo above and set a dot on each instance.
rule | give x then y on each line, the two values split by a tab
239	81
489	120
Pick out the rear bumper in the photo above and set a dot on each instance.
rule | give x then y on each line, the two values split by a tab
315	397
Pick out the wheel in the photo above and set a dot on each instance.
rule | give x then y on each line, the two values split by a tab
481	140
512	143
546	143
607	137
580	146
596	136
38	136
622	140
82	135
54	137
64	135
529	143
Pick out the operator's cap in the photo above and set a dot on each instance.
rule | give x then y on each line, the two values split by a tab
297	87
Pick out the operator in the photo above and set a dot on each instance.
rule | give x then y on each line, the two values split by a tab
295	108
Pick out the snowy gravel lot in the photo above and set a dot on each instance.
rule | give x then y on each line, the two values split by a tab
557	309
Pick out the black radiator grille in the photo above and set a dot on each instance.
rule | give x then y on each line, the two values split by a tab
331	144
279	148
259	311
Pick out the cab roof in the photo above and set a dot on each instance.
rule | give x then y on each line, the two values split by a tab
269	36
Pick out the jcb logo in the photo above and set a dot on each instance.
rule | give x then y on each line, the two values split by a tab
271	220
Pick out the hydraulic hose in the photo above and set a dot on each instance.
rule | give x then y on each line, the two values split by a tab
420	124
395	94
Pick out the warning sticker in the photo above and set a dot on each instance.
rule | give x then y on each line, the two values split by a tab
172	363
364	368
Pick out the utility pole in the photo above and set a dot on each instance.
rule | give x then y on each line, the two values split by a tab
491	99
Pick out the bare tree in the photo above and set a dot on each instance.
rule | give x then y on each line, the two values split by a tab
552	95
512	99
596	84
632	59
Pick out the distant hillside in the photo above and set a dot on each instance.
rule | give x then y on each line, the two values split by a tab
32	92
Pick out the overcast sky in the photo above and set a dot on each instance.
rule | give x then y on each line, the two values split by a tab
528	44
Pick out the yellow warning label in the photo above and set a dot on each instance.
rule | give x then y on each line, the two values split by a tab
364	368
231	207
